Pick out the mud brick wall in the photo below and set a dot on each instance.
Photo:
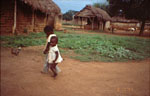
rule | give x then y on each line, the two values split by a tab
39	22
24	18
58	23
6	16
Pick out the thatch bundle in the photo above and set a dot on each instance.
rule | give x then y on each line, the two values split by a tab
90	11
45	6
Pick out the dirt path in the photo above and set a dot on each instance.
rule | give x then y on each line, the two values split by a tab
20	76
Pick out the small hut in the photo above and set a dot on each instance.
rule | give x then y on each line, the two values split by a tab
92	18
123	23
24	16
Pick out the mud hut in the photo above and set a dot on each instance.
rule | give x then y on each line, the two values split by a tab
92	18
24	16
124	23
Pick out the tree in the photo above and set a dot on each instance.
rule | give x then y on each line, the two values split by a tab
69	15
103	6
131	9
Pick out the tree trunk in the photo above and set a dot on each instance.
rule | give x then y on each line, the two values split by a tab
142	27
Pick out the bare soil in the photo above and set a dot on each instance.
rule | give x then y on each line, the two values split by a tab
20	76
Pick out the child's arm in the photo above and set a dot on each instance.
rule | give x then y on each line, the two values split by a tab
53	42
47	48
56	56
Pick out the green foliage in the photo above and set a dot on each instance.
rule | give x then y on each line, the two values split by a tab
131	9
103	6
134	9
99	47
69	15
88	47
32	39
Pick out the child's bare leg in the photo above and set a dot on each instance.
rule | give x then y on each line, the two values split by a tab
53	68
46	67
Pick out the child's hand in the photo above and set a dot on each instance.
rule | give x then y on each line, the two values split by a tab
54	61
45	52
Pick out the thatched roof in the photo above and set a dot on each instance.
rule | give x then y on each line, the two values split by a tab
90	11
45	6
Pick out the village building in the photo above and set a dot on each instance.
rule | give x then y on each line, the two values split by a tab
124	24
92	18
25	16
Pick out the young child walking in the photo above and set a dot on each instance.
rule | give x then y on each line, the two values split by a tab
53	56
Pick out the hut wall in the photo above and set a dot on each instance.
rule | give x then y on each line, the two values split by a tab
120	25
51	20
7	16
58	23
40	21
107	25
89	27
24	18
96	26
125	25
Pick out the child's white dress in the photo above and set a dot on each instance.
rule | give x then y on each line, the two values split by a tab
51	54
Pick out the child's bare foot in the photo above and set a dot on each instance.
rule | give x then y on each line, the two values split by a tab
43	72
54	75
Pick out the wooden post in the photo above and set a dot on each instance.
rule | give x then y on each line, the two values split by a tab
92	23
104	25
33	19
45	19
15	14
98	25
55	21
47	15
81	22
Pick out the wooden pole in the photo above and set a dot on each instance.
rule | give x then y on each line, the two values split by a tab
92	23
81	22
104	25
45	19
55	21
98	25
101	25
47	15
15	11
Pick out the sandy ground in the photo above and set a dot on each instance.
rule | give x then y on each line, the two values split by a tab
20	76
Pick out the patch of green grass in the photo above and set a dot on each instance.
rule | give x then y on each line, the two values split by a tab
88	47
81	58
105	47
33	39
